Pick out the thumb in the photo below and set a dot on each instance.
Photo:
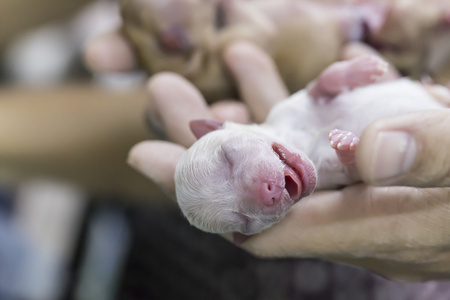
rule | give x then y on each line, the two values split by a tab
412	149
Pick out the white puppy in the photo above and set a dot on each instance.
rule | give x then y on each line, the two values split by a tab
245	178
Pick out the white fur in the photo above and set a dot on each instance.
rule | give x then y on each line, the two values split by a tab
214	196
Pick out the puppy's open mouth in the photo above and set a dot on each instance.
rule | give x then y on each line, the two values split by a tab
299	175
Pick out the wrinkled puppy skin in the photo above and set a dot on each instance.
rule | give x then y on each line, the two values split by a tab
188	37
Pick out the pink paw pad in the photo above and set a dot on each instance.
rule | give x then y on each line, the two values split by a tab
343	140
366	70
347	75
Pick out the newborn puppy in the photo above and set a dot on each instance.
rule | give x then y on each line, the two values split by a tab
189	36
245	178
414	36
303	37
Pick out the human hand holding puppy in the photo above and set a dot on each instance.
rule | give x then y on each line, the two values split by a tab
399	232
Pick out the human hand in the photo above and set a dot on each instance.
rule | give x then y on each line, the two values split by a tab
259	83
399	232
109	52
174	102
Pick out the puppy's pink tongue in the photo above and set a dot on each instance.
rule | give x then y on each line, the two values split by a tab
292	184
299	174
292	179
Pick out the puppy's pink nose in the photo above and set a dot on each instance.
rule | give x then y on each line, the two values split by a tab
270	193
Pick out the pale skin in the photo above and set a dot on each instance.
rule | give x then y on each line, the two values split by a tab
399	232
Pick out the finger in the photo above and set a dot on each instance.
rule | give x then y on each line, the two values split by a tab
109	53
230	111
439	92
259	82
411	149
174	102
157	160
361	224
356	49
311	216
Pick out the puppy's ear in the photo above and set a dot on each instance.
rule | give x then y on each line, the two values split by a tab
201	127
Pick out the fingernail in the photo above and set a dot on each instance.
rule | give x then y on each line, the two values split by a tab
395	152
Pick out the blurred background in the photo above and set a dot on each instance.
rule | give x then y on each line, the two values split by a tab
77	223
